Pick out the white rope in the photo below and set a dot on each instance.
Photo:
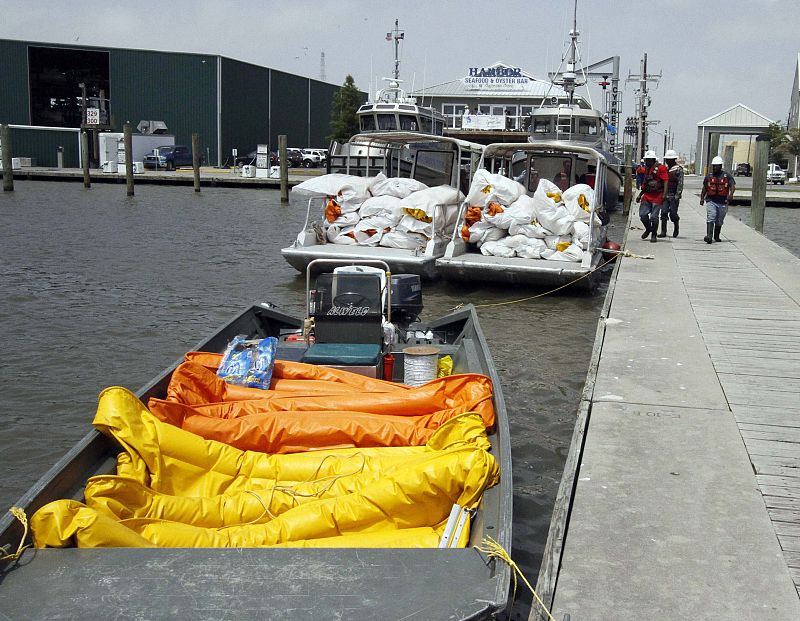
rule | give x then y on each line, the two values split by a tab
419	369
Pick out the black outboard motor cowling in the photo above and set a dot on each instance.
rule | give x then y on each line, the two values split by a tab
406	298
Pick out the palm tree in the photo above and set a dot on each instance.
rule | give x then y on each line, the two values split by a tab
790	146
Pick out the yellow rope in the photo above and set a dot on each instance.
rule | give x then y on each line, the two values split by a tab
494	550
20	515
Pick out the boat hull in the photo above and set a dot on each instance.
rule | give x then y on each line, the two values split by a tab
400	261
472	267
265	583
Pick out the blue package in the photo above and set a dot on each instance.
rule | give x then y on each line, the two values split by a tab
260	373
248	363
236	361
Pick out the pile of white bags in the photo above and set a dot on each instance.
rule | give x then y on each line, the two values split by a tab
372	211
503	221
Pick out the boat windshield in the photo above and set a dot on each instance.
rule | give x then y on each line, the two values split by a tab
357	295
367	123
425	125
408	122
387	122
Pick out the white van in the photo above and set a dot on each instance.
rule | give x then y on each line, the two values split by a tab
776	174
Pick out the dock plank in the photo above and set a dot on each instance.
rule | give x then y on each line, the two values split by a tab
744	299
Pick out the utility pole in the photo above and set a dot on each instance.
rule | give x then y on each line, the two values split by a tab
643	103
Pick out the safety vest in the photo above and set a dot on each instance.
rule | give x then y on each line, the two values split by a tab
718	186
652	184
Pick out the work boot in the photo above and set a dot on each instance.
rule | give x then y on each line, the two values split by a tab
675	230
646	228
717	229
663	232
653	231
709	232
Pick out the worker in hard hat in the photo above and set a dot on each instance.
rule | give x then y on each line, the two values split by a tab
652	194
674	190
718	189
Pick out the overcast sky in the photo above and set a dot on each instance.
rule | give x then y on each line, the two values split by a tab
713	55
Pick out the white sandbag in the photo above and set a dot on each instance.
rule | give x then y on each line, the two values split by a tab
551	215
344	187
580	234
396	187
521	211
399	239
534	229
386	206
409	224
496	249
552	241
486	187
532	249
339	235
425	201
347	219
572	202
482	231
571	253
512	241
369	231
501	220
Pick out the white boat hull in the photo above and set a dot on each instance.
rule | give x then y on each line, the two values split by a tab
473	266
400	261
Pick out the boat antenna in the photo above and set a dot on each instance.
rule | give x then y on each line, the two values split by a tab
396	35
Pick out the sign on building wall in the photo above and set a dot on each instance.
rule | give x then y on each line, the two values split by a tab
495	78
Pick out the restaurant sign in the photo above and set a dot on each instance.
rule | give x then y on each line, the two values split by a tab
495	78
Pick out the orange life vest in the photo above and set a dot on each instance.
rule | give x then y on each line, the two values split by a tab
652	184
718	186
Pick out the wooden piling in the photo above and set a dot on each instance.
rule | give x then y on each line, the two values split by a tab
8	172
196	160
87	181
759	197
628	181
126	132
284	169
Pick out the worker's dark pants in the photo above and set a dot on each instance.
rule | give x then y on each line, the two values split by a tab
670	209
648	213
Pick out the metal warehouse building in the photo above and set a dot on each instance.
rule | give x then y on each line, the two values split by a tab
229	103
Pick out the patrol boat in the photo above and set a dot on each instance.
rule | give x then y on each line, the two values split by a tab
392	109
135	516
575	122
431	160
530	163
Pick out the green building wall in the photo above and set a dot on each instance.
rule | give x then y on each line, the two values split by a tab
179	89
14	96
229	103
244	120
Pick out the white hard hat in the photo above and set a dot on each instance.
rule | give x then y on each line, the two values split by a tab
717	160
649	155
670	155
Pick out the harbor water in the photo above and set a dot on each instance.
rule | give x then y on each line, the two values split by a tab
99	289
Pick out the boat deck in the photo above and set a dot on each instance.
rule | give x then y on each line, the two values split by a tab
686	497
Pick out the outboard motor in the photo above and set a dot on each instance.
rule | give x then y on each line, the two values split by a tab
406	298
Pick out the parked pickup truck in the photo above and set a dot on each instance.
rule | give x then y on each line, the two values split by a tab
169	157
776	175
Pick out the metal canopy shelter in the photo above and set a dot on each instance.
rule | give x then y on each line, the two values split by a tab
738	119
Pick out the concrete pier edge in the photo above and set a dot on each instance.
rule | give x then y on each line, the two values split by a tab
630	537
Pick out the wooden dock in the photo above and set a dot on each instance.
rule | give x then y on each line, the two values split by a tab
681	496
209	176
